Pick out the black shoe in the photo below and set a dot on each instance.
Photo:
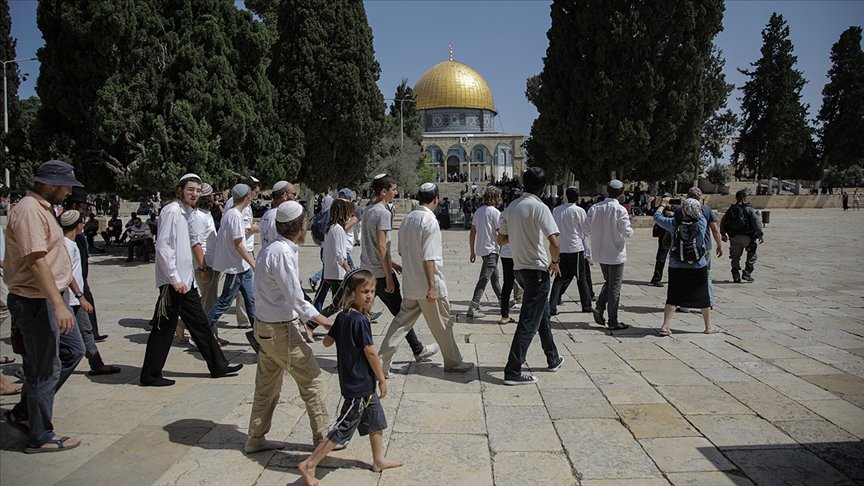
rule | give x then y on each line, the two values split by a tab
521	380
656	283
598	317
553	312
587	310
737	279
230	369
100	338
557	365
617	326
747	278
158	382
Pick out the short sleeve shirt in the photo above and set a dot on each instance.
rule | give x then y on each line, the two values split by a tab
352	333
32	228
376	217
227	259
486	223
334	253
419	242
528	224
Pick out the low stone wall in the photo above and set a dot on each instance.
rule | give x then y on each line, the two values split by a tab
784	201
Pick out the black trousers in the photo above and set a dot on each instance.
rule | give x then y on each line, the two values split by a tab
187	306
572	266
660	260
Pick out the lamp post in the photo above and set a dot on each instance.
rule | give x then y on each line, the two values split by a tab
6	111
401	101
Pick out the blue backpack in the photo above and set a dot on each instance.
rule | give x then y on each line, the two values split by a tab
319	226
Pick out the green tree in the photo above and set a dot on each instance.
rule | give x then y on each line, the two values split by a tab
23	157
842	112
404	100
7	53
136	93
718	174
774	135
625	87
330	108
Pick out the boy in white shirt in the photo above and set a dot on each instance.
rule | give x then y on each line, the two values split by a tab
482	240
73	224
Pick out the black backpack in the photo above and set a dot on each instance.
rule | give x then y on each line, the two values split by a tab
319	226
737	219
684	244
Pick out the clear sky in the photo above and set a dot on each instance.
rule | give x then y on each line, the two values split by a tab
506	40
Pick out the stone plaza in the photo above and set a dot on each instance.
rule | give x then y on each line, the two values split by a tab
776	398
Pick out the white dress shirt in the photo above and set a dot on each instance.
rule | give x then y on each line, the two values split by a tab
419	242
609	226
173	248
278	295
570	219
226	258
202	231
485	222
247	223
528	224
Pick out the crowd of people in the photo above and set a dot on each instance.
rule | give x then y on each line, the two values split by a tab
541	252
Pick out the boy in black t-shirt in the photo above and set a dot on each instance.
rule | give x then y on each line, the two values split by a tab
359	368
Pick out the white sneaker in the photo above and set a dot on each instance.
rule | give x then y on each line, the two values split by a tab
428	350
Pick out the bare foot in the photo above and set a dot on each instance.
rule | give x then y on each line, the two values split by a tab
380	466
308	473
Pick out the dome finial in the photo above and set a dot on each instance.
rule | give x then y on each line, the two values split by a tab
450	45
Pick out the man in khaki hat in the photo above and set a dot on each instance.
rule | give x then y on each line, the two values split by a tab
38	270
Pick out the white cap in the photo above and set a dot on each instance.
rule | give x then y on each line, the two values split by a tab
253	179
288	211
280	185
190	175
380	176
615	184
69	217
427	187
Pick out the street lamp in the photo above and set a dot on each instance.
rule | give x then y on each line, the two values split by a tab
6	110
401	120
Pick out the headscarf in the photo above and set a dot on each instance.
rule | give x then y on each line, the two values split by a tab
692	208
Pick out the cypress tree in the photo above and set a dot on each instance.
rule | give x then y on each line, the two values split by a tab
842	110
775	134
136	93
330	109
625	87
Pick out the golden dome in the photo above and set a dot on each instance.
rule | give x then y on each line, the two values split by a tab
451	84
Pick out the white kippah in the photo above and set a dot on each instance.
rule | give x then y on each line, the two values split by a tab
288	211
239	191
427	187
380	176
280	185
69	217
190	176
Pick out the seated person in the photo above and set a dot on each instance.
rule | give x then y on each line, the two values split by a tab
114	230
139	235
128	225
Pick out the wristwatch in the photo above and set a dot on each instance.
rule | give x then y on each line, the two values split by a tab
78	295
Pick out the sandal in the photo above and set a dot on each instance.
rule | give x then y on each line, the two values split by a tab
222	342
506	320
664	332
60	443
7	360
712	330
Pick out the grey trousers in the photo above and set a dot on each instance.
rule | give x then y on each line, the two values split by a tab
610	294
488	271
737	245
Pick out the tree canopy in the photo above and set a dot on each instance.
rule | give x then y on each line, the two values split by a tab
136	93
626	86
330	108
775	135
842	112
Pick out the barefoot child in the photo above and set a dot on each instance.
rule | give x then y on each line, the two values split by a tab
359	368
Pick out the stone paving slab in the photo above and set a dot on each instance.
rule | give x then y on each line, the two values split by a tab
777	396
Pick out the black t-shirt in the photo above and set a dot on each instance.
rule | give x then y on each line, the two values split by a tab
352	332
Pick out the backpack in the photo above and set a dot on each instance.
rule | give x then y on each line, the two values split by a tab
684	244
737	220
319	226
